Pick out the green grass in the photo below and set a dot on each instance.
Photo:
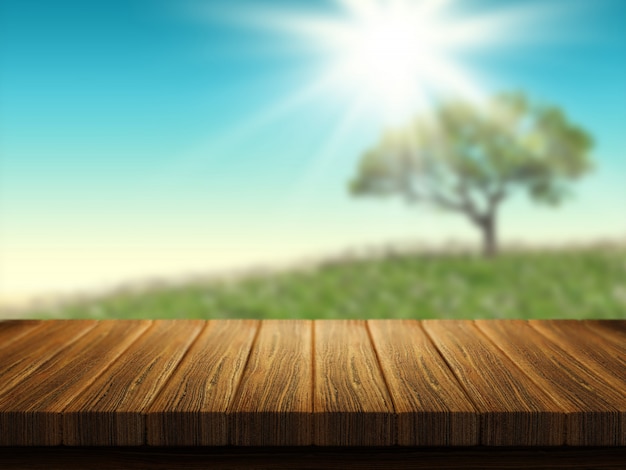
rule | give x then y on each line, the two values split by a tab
588	283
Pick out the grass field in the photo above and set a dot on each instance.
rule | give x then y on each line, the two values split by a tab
583	283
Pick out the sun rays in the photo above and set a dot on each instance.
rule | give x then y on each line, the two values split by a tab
387	59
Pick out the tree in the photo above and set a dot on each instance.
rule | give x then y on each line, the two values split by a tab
469	159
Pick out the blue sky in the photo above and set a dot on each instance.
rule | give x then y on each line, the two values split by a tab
151	138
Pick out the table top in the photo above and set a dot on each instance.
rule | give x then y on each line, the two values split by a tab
313	382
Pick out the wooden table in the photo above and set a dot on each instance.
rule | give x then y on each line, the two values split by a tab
401	391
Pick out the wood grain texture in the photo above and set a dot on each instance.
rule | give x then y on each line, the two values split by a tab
352	405
513	410
190	409
613	331
313	458
603	359
592	405
248	383
110	411
31	413
29	352
432	409
12	330
273	403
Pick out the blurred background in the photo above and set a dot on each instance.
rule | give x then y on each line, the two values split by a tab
165	159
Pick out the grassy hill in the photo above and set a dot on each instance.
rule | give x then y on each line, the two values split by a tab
568	283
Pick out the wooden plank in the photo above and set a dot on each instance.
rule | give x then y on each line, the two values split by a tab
190	410
12	330
110	412
328	383
313	458
602	359
514	411
594	408
605	360
31	413
352	405
612	331
585	345
432	409
273	403
30	351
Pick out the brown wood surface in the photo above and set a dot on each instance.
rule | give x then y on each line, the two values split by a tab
110	412
323	383
604	359
273	404
12	330
613	331
31	413
352	405
584	343
513	410
432	408
24	356
593	404
190	410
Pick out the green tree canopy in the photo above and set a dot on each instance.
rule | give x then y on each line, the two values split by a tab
468	159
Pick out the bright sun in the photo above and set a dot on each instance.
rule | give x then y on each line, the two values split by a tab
394	53
376	62
390	57
385	54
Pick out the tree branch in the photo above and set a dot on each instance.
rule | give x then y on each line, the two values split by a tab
497	196
468	202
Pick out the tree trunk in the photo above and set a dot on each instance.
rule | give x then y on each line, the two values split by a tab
490	243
